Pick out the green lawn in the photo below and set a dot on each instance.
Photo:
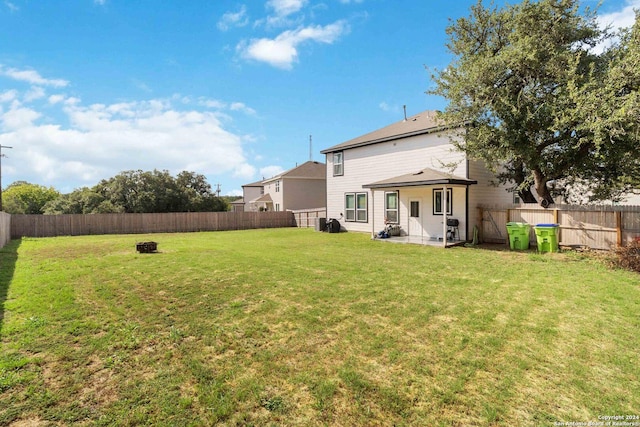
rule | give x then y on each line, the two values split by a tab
295	327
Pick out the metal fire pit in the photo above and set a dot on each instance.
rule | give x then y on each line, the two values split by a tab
146	247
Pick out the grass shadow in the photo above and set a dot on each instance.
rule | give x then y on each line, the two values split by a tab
8	259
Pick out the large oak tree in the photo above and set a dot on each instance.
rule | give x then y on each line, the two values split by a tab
522	80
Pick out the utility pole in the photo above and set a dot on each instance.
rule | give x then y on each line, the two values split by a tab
1	156
310	148
217	190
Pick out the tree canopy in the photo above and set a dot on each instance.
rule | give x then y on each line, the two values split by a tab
24	198
542	108
141	192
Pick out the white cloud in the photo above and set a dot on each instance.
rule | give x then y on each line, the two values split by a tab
282	51
233	19
211	103
11	6
234	193
622	18
18	117
240	106
270	171
31	76
56	99
36	92
244	171
283	8
8	96
90	142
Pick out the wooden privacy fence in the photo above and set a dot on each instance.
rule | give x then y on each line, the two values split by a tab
143	223
597	227
306	218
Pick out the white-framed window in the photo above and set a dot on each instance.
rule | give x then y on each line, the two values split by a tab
355	207
277	186
438	201
338	163
277	207
391	207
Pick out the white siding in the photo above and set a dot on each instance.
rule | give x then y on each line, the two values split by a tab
432	226
485	192
277	197
249	194
368	164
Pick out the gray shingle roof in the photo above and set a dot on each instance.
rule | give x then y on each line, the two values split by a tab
425	122
424	177
309	169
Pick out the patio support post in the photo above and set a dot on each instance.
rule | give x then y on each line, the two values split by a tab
444	216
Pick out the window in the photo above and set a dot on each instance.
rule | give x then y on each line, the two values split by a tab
338	162
415	209
277	207
361	207
391	206
278	186
355	207
438	202
516	198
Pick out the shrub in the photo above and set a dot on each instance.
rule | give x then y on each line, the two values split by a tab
629	256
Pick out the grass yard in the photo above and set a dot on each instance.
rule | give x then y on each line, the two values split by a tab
294	327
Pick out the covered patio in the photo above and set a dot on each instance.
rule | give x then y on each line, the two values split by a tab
428	207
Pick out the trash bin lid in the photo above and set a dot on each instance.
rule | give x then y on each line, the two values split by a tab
546	225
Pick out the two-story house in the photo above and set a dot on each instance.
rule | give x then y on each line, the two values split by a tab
302	187
408	174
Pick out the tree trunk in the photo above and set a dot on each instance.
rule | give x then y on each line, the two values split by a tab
544	195
527	196
519	177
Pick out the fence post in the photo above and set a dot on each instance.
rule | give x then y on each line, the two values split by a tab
619	227
555	221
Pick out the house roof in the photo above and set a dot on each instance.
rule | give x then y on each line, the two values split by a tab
266	198
239	201
424	177
422	123
309	169
254	184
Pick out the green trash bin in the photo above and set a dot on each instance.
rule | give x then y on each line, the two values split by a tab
518	235
547	237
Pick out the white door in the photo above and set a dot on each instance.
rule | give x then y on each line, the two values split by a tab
415	218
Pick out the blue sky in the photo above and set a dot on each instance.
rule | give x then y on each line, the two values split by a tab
228	89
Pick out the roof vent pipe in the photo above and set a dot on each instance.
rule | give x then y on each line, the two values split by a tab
405	112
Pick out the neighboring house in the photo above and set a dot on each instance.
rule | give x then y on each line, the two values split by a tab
402	173
303	187
237	205
250	194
